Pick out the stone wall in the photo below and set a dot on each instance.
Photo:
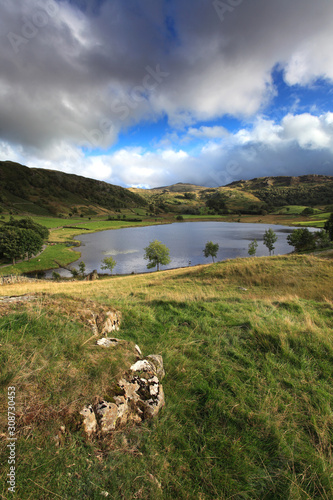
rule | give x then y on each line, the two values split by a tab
8	280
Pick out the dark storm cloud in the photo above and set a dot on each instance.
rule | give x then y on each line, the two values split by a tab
78	72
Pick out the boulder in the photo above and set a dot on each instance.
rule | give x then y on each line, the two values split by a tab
138	396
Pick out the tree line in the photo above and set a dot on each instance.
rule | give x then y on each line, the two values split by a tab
22	238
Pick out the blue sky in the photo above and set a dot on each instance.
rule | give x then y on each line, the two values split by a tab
155	92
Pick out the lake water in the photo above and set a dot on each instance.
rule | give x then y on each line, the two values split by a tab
185	240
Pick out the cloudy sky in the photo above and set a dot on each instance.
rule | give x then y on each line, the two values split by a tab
152	92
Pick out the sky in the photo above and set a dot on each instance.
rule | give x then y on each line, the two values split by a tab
148	93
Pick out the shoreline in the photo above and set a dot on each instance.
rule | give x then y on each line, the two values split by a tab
76	243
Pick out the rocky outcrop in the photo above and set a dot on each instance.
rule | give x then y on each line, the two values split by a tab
103	322
92	276
138	395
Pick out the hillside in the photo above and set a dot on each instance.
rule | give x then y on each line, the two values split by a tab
244	196
50	192
279	191
248	354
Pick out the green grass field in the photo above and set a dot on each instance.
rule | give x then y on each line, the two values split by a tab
248	386
48	259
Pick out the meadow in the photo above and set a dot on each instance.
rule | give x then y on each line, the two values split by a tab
248	349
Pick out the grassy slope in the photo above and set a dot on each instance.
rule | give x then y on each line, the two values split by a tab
49	192
248	387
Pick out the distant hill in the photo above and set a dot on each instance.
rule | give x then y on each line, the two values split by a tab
50	192
278	191
245	196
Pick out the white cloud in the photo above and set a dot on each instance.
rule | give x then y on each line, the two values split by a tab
297	145
83	78
311	132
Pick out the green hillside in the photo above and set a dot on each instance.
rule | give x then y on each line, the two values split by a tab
255	196
49	192
278	191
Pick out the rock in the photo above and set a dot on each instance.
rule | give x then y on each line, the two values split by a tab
142	366
92	276
18	298
139	396
138	350
157	361
108	413
106	342
130	388
152	406
108	321
105	321
89	420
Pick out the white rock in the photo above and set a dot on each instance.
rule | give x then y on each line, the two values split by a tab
104	341
153	389
138	350
142	365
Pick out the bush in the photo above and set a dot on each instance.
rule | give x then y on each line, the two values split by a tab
308	211
301	239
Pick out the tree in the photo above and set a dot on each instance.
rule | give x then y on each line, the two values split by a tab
190	196
74	272
328	226
82	268
11	243
216	201
308	211
108	263
157	253
211	249
253	248
301	239
28	223
323	239
32	242
269	239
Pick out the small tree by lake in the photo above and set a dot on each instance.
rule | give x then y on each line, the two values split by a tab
211	249
82	268
157	253
253	248
269	239
108	263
